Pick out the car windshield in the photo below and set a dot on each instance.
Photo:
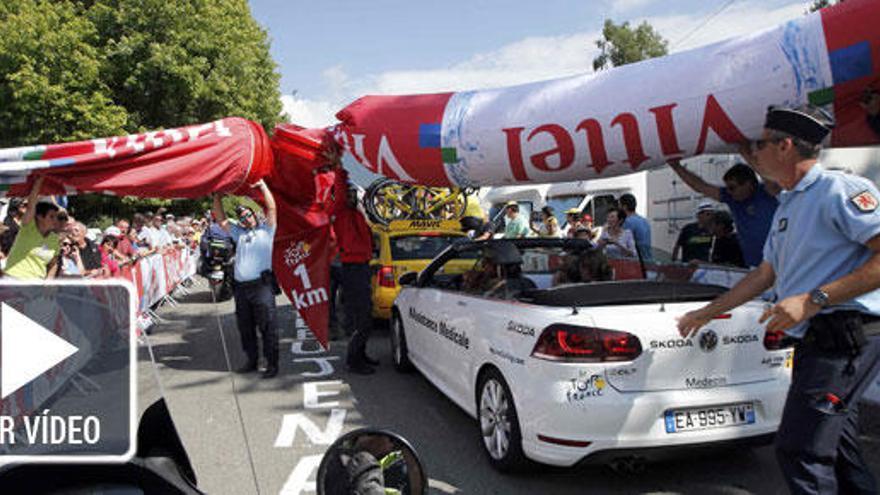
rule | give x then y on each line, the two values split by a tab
421	246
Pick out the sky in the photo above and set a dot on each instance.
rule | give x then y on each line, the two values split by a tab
331	52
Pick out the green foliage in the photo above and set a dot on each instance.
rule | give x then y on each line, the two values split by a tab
184	62
622	44
96	209
76	69
230	202
51	87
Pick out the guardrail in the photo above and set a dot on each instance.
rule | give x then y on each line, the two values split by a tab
156	277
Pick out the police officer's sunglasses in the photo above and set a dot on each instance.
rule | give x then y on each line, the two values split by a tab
759	144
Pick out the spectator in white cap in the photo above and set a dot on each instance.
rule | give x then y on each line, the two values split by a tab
695	240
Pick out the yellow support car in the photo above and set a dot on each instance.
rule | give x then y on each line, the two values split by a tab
405	246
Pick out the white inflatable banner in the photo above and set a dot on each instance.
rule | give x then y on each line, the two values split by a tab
630	118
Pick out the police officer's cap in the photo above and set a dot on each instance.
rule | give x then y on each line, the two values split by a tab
806	122
504	253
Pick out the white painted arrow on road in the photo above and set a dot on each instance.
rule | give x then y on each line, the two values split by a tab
27	350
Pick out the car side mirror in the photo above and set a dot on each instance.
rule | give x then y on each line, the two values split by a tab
368	460
408	279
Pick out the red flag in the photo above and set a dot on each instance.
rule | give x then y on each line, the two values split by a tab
302	249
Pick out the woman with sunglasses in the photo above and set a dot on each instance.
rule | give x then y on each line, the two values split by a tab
68	263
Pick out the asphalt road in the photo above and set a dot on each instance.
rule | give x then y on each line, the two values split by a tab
199	389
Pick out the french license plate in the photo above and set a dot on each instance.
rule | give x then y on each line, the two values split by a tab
707	418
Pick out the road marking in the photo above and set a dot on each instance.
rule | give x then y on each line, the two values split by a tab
291	422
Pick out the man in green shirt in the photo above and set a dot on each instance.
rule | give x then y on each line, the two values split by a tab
517	226
37	241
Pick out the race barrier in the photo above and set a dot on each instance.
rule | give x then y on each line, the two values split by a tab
156	277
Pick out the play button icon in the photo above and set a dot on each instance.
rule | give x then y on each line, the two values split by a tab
27	350
68	361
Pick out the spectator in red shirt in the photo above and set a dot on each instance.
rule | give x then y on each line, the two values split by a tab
354	239
108	248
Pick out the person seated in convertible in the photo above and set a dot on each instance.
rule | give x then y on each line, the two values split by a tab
585	266
500	273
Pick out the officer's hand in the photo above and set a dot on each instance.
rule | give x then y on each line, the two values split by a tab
690	322
789	312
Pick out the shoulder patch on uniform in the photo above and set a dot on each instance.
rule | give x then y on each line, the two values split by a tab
865	201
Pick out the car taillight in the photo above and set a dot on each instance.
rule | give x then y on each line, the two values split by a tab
774	341
386	276
570	343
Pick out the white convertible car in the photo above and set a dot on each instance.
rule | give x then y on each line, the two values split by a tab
558	367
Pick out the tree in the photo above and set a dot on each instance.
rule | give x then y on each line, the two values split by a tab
179	63
51	87
77	69
622	44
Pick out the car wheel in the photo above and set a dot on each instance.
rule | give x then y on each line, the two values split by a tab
499	424
399	352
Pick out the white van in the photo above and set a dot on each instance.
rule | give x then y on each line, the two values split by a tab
530	198
595	197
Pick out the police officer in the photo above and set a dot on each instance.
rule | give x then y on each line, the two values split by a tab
823	255
254	282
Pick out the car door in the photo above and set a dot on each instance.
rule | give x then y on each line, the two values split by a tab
438	320
460	321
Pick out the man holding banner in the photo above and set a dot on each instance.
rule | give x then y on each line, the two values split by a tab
37	241
254	282
355	242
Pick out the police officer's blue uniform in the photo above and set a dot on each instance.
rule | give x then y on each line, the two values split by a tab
254	297
818	235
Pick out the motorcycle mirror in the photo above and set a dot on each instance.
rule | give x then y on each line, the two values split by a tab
371	461
408	278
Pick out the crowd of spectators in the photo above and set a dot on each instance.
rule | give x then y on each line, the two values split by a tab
624	235
719	237
40	239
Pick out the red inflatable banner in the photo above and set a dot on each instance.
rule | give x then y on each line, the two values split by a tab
188	162
226	156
